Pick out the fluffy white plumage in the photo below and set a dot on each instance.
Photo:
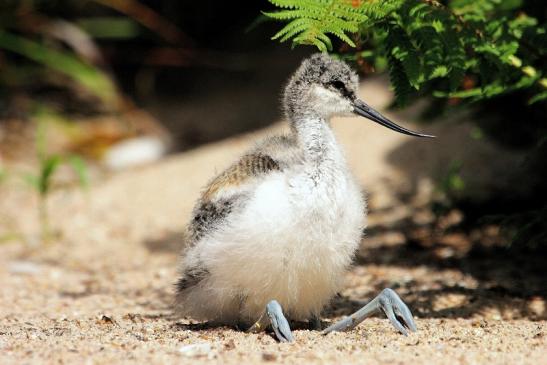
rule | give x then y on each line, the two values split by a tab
291	232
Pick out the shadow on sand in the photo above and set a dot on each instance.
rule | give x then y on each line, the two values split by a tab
507	279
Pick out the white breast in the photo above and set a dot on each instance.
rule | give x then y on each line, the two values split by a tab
292	242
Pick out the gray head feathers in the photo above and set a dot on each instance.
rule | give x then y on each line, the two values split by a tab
317	84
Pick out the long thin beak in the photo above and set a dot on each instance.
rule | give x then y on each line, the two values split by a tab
363	109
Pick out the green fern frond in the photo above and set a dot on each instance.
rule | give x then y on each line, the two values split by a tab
428	45
342	36
292	4
310	21
325	40
290	14
397	74
399	80
402	49
379	9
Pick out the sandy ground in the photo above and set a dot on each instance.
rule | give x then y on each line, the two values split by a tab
101	291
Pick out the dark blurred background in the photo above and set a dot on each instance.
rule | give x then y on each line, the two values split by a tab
205	70
99	72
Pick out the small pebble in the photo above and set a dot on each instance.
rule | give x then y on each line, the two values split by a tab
196	349
104	319
266	356
229	345
24	267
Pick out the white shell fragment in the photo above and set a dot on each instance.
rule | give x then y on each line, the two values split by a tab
134	152
196	350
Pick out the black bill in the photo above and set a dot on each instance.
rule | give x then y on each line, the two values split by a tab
361	108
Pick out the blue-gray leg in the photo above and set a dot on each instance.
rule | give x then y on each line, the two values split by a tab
387	301
274	315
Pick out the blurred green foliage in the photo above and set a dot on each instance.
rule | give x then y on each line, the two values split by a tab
88	76
452	183
473	49
55	42
491	54
109	27
48	164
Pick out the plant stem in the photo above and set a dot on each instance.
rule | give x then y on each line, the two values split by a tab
45	228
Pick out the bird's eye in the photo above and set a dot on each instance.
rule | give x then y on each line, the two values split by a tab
341	87
337	84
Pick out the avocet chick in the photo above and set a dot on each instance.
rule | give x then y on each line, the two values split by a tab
273	235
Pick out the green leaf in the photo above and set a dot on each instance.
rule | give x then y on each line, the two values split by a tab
459	94
80	168
538	97
289	14
438	25
439	71
66	63
326	41
399	80
403	50
456	183
109	27
293	28
342	36
48	168
453	182
477	133
319	44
